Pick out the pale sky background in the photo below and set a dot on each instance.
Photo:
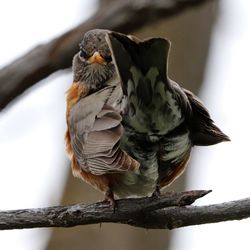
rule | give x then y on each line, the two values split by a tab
31	132
224	168
32	162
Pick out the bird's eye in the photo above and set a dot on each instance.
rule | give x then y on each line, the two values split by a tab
83	53
108	58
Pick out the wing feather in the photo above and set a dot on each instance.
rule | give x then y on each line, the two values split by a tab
95	130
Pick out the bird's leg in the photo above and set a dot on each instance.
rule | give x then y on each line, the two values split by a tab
157	192
109	197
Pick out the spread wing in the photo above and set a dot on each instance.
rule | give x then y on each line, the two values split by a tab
130	53
95	130
203	130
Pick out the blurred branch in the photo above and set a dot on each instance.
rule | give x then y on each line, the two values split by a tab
41	61
169	211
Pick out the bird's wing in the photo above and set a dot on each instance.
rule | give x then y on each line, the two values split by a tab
203	130
95	131
129	52
142	67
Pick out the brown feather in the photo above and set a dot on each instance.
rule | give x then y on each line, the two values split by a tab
96	154
74	93
203	130
176	172
100	182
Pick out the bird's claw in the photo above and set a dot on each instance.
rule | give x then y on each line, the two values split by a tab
157	192
109	198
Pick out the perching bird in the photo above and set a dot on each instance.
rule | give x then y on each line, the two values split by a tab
130	128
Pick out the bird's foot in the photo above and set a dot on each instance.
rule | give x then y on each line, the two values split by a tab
157	192
109	197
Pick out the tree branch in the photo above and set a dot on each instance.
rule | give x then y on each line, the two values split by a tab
40	62
171	210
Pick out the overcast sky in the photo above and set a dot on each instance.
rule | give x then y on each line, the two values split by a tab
224	168
33	165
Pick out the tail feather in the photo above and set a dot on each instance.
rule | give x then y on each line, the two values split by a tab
203	130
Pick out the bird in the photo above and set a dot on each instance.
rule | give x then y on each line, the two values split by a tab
130	128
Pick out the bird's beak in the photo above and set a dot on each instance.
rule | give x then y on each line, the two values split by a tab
96	58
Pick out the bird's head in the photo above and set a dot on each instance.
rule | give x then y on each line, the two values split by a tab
93	64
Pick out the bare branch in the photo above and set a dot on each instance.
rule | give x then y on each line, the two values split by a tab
171	210
40	62
176	217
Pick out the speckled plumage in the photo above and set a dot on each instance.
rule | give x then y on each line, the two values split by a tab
131	133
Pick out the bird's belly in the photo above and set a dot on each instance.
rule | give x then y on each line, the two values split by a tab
159	160
132	184
173	157
173	149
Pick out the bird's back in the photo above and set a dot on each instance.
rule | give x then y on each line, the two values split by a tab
163	121
155	130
